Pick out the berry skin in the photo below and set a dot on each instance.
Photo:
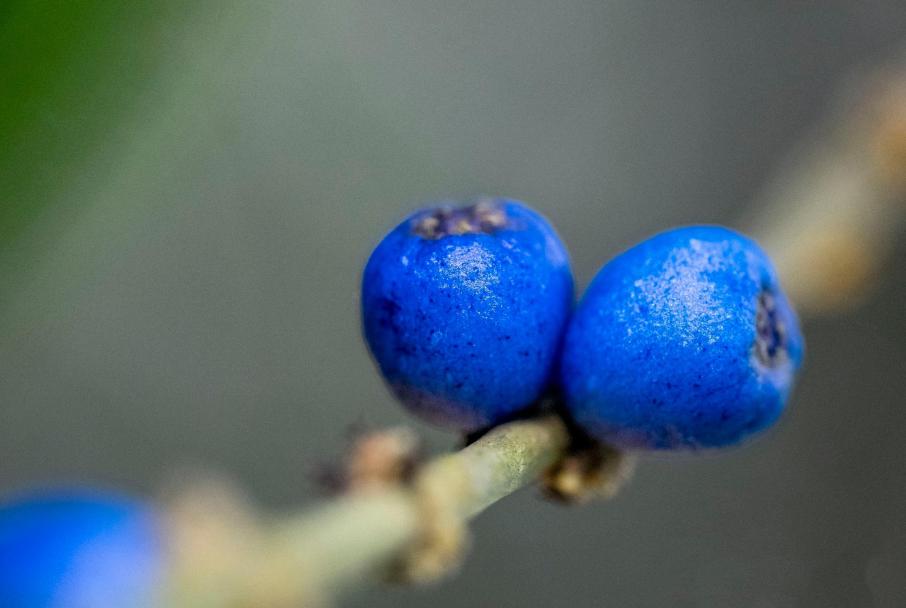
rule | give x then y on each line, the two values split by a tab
684	341
77	548
464	309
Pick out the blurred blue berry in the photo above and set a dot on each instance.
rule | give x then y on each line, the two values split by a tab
684	341
77	548
464	309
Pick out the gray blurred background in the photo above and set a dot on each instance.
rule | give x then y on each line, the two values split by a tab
197	199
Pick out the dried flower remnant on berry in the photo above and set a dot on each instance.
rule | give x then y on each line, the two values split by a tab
484	217
770	331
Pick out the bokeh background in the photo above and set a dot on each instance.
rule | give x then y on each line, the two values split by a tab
188	191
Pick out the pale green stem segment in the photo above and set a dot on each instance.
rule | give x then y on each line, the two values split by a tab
302	559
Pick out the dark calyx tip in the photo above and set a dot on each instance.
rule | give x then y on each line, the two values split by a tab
770	332
484	217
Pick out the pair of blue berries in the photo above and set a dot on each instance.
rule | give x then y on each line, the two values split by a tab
684	341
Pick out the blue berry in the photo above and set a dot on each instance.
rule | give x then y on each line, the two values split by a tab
684	341
464	309
76	548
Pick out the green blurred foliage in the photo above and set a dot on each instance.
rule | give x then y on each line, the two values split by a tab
69	69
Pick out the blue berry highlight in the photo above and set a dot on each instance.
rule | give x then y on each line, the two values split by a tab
684	341
77	548
464	308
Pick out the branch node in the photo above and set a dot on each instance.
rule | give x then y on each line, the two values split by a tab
442	539
589	470
383	458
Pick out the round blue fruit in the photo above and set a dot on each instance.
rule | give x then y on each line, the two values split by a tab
77	548
684	341
464	309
